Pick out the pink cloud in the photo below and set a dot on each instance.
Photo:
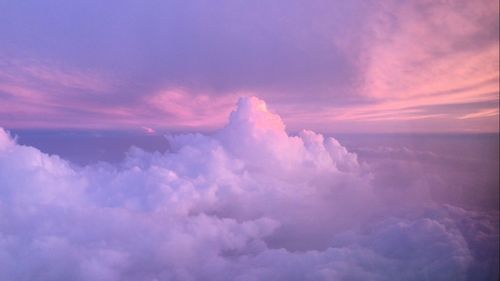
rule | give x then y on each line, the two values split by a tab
186	109
492	112
435	63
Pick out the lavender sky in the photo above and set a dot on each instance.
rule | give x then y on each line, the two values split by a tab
331	66
249	140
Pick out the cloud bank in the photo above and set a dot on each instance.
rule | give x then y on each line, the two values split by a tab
249	202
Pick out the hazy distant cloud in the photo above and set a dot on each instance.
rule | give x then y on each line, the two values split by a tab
249	202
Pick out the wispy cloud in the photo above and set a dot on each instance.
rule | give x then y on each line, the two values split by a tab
481	114
334	65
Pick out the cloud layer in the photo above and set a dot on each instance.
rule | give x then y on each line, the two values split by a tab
249	202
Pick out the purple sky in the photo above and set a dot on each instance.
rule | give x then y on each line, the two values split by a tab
331	66
102	177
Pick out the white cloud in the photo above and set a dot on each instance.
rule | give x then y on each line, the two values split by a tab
247	203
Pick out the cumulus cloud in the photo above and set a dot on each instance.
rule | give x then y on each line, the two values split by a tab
249	202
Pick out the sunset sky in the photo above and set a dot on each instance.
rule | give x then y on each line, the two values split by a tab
331	66
249	140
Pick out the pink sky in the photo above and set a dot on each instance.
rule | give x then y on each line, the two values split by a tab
382	66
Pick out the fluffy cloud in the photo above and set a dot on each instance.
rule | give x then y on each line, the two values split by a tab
249	202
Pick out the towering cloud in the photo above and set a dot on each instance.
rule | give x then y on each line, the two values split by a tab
249	202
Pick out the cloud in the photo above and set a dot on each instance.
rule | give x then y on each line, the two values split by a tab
481	114
249	202
326	65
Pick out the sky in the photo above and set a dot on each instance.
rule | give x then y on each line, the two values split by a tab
330	66
312	140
